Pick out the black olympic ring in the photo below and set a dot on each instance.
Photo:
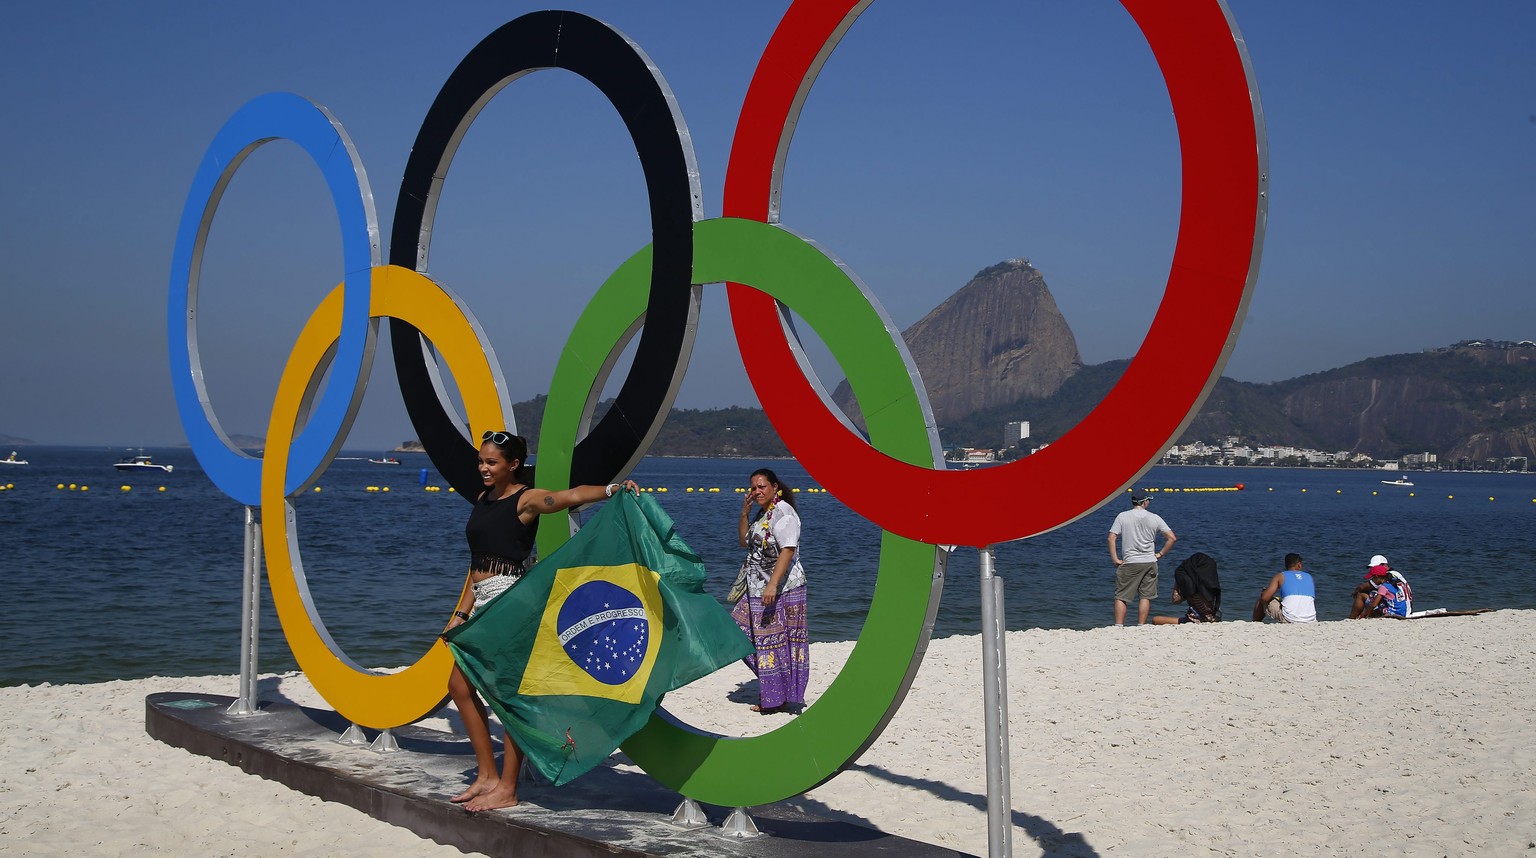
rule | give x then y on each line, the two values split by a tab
632	84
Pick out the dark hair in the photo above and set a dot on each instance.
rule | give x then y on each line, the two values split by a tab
1292	559
786	493
515	447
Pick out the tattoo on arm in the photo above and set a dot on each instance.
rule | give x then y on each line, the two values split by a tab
549	500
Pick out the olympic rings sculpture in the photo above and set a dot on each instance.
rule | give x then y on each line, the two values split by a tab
1215	101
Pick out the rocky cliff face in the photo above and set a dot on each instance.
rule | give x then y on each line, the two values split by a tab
998	340
1481	446
1377	413
1461	402
1519	354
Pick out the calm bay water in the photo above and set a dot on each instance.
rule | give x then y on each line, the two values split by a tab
109	584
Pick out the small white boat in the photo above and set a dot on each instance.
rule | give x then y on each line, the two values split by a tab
12	460
387	460
141	462
1400	481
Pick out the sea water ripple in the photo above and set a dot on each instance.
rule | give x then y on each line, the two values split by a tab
108	584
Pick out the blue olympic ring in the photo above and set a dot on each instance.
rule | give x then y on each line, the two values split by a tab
265	118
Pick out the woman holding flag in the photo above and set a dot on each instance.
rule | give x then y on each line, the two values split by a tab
772	610
501	533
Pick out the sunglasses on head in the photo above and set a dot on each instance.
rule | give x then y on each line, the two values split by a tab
497	437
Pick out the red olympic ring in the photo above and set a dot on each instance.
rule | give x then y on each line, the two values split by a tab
1215	263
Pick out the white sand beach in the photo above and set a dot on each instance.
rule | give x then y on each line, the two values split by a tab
1344	738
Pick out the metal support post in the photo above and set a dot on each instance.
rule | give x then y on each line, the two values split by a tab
739	825
689	815
353	735
246	701
385	743
994	680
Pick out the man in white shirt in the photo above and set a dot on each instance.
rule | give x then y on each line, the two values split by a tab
1136	572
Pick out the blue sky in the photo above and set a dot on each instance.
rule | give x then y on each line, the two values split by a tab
1402	142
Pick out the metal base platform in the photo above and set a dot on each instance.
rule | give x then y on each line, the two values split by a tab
603	813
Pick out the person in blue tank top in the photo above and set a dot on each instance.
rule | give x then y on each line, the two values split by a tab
1290	596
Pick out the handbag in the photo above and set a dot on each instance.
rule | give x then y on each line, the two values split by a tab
739	588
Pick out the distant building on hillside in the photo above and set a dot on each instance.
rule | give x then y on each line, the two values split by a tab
1015	432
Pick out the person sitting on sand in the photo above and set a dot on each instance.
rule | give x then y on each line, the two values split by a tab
1365	589
1379	595
1364	592
1290	596
1196	583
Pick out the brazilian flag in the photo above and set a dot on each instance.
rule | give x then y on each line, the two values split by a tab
575	657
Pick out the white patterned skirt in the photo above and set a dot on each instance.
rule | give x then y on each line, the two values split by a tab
490	588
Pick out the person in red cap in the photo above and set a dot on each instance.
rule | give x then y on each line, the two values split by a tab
1383	593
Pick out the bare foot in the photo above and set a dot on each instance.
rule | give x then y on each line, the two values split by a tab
757	708
501	796
479	787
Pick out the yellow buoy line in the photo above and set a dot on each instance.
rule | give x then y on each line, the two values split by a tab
78	487
81	487
1240	487
437	489
703	490
1179	489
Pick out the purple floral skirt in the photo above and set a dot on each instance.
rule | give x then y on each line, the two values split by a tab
783	658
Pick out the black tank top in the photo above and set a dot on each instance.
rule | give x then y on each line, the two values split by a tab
499	542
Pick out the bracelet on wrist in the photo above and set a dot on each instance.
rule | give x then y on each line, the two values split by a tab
461	615
608	489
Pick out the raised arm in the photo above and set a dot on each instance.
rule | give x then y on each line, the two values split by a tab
542	502
744	524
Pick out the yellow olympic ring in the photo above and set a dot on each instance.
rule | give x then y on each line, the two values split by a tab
370	699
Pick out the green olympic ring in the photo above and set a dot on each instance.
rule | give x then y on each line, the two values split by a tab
813	747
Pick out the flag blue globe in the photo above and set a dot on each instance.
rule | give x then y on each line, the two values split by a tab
603	629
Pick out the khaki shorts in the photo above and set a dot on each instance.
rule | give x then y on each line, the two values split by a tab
1135	581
